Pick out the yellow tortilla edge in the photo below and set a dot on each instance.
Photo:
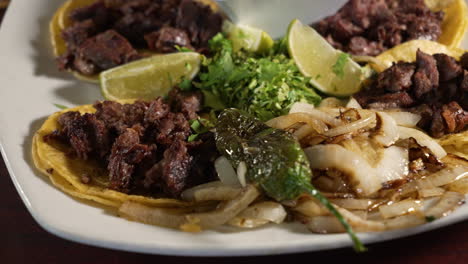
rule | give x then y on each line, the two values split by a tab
66	171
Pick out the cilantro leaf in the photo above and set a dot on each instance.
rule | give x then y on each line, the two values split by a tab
263	85
59	106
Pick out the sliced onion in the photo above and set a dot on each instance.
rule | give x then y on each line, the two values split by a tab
287	121
431	192
353	103
387	133
361	175
405	119
246	222
318	114
303	132
241	172
193	221
351	127
447	203
400	208
359	224
212	191
460	186
443	177
226	172
259	213
353	204
325	225
404	221
423	140
331	102
393	165
227	211
311	207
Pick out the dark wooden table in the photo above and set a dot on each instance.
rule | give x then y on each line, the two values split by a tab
22	240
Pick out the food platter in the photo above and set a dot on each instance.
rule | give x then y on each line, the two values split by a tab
31	86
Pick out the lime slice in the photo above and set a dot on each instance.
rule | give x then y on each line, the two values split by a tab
248	38
150	77
331	71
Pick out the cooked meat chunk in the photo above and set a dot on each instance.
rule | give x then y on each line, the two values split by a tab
464	61
166	39
188	103
456	119
176	167
127	152
107	33
75	130
426	77
143	145
107	50
448	67
397	78
436	87
368	27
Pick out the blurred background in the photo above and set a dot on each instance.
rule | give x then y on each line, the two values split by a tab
3	7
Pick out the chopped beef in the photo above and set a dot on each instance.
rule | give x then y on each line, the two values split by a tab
396	79
360	45
107	33
176	167
448	67
126	153
172	128
426	77
166	39
464	61
143	145
436	87
369	27
107	50
187	103
456	119
75	129
464	83
77	34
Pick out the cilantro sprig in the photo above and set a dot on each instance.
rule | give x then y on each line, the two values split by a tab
265	86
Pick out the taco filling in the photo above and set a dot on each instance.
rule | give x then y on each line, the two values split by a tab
369	27
143	146
436	87
110	33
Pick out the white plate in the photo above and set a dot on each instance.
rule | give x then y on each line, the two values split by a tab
30	85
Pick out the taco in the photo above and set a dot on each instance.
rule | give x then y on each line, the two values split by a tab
428	79
368	27
114	152
90	36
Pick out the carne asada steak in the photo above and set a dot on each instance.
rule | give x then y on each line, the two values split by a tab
436	87
369	27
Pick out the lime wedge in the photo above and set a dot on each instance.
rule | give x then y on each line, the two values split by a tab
150	77
331	71
248	38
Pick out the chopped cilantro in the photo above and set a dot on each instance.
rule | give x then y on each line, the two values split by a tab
192	137
430	218
182	49
339	66
59	106
263	85
185	85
